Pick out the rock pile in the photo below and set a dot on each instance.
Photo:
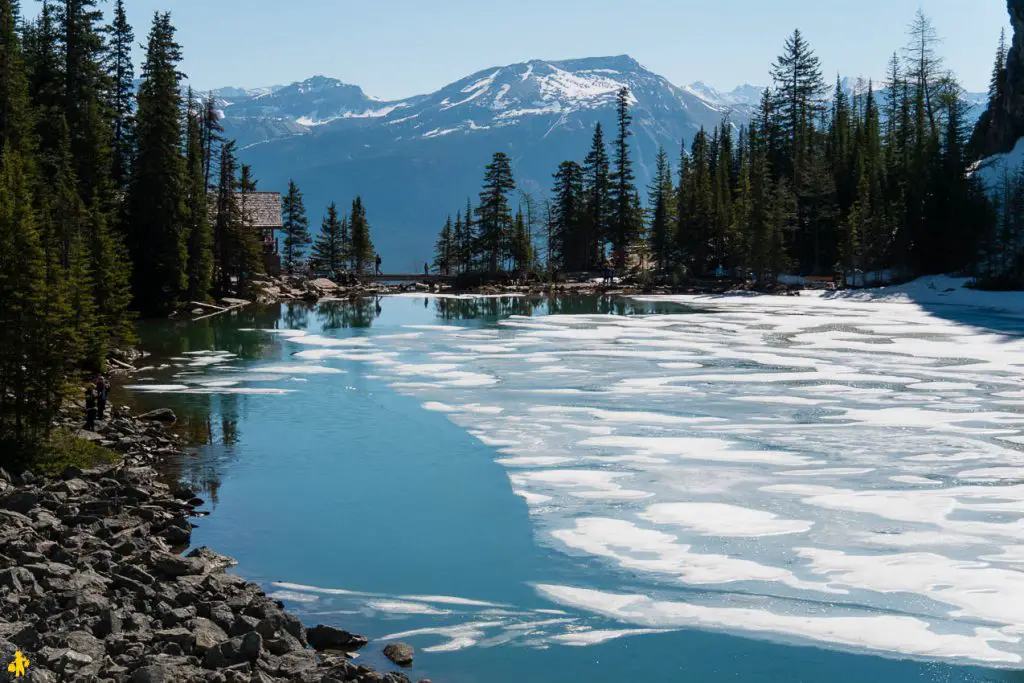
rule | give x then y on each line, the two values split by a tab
92	590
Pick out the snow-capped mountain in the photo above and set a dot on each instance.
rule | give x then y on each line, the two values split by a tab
415	160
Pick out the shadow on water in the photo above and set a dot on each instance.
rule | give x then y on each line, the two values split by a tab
989	320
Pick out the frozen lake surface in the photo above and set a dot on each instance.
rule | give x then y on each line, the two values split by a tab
842	474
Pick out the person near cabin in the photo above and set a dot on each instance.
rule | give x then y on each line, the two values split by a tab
90	409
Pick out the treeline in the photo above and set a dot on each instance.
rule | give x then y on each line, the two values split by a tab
112	199
820	182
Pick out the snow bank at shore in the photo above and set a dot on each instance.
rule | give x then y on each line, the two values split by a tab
932	290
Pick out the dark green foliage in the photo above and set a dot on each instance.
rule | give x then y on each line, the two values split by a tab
157	236
494	216
15	116
571	230
663	219
329	251
361	254
197	209
120	72
624	229
520	247
445	247
595	223
296	228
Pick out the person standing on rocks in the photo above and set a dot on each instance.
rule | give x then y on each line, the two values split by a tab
426	269
378	265
102	391
90	409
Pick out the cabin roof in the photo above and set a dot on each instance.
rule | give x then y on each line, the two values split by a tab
263	208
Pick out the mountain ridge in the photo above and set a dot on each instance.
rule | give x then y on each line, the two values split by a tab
415	160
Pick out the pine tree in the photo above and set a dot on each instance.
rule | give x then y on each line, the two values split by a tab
227	218
520	248
456	263
624	228
213	137
662	203
111	269
84	99
799	89
467	250
200	237
36	346
571	229
443	249
596	222
157	193
15	115
329	249
121	75
296	228
362	246
494	217
249	243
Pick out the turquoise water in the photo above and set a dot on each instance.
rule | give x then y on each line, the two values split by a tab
380	475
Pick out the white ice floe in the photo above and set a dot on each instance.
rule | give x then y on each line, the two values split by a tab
298	370
843	469
719	519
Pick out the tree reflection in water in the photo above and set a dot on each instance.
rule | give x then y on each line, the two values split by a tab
209	423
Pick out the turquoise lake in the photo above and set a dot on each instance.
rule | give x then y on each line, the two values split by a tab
611	490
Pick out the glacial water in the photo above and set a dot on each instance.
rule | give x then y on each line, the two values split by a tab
709	489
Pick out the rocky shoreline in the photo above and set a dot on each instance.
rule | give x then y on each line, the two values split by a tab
93	588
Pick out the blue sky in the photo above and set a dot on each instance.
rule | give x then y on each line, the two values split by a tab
398	48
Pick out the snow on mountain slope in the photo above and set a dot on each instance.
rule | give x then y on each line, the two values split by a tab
335	141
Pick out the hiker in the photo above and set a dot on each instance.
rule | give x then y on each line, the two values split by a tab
606	267
90	409
426	268
102	391
378	265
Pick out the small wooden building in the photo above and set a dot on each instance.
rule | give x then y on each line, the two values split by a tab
263	212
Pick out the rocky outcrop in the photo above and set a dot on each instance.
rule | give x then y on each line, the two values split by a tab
92	590
1002	124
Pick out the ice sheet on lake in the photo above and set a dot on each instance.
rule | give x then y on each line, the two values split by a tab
764	454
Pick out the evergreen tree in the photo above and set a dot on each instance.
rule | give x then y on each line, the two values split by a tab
329	248
157	193
121	75
85	99
197	210
571	227
455	248
662	203
799	89
15	115
213	137
494	217
362	246
595	223
249	244
296	228
625	229
443	250
521	249
37	347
